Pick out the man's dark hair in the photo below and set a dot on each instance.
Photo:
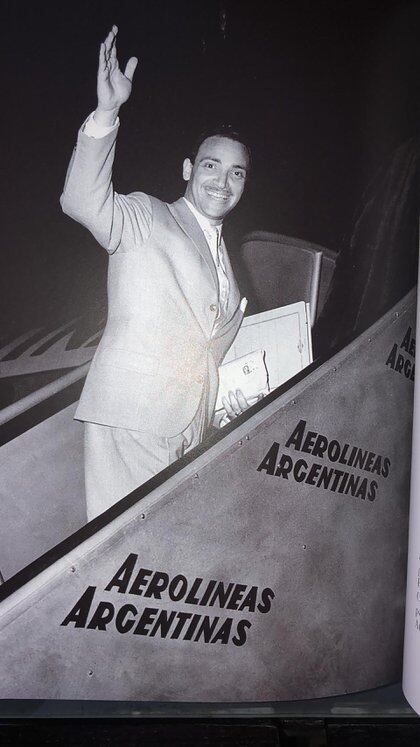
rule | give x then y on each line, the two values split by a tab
221	130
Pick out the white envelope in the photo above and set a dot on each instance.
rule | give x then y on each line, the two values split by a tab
247	373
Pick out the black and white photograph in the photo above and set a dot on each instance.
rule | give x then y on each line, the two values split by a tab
207	348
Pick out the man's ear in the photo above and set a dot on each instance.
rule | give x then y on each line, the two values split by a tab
187	168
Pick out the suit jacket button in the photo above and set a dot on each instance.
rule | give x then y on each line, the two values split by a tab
200	380
213	307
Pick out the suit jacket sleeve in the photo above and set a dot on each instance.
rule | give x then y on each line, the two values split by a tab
116	221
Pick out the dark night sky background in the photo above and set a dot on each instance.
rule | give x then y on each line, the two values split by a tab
325	91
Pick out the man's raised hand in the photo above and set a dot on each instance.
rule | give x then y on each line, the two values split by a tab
114	86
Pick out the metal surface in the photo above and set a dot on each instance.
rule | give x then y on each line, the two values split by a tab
281	270
335	562
41	489
315	287
41	394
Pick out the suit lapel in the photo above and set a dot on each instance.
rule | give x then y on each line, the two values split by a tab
234	297
189	225
191	228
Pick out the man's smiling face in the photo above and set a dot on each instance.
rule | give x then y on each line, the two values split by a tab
216	180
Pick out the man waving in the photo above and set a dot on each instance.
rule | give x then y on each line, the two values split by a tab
173	303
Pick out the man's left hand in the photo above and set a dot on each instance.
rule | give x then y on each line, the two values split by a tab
235	404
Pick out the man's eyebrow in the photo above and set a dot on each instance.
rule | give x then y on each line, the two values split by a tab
217	160
210	158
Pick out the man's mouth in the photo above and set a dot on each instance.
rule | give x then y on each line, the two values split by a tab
215	194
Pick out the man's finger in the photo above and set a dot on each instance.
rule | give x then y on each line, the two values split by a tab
110	40
226	405
113	62
242	401
234	403
102	61
113	47
130	68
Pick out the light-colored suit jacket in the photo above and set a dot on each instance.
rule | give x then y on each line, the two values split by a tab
159	355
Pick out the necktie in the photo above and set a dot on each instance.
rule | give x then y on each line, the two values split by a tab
213	235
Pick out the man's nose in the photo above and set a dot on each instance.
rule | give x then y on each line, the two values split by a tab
222	178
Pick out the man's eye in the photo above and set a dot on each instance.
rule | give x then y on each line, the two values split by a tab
239	174
209	165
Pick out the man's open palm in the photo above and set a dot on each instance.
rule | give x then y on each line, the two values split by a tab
114	86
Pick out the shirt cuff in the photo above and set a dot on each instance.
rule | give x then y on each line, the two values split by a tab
92	129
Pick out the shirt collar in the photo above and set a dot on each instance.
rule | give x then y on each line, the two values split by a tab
203	222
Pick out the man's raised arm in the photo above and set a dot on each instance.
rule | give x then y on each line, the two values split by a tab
88	194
